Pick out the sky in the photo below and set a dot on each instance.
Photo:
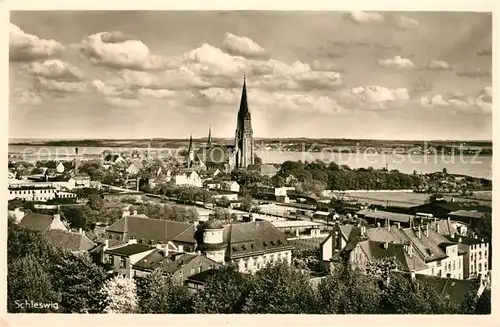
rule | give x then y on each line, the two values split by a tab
161	74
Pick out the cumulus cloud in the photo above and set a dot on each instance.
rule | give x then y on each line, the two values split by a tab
365	16
122	102
372	97
60	86
28	47
157	94
406	23
299	102
173	79
242	46
321	65
117	51
438	64
55	69
396	62
459	101
473	73
27	97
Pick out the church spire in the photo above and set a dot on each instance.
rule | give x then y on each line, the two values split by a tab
209	142
190	143
243	113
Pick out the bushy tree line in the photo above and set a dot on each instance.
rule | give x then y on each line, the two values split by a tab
317	175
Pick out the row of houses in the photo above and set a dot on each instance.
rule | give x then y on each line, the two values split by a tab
423	249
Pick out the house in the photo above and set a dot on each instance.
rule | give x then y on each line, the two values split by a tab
81	181
70	241
263	169
153	231
231	186
188	177
197	281
225	194
476	257
178	265
268	192
251	246
42	223
210	173
133	170
212	185
420	244
338	239
122	257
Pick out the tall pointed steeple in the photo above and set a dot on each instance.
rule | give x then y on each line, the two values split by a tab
209	142
244	133
190	143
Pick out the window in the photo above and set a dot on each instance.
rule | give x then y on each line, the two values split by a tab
459	263
485	266
111	259
181	273
118	237
471	268
199	269
453	265
245	264
193	271
123	262
479	255
485	254
479	268
444	268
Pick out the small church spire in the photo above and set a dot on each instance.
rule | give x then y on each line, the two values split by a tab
209	142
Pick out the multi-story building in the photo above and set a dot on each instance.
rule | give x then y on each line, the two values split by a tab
122	257
188	178
476	255
251	246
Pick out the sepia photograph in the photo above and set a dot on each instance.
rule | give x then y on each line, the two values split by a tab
250	162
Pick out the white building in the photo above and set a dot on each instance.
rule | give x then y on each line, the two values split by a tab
188	178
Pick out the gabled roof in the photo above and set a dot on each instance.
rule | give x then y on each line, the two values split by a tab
154	229
202	277
445	227
170	263
36	221
381	250
245	239
67	240
129	249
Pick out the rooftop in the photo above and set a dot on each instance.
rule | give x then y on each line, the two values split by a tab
36	221
467	214
130	249
69	240
397	217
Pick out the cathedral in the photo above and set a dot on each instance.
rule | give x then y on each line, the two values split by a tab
227	157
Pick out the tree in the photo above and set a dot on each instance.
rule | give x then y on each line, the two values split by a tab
28	280
79	217
348	291
158	293
224	292
246	204
120	295
308	259
280	288
483	305
95	202
79	281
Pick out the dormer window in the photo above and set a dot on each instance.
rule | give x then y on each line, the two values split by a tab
265	244
272	243
253	246
235	248
280	242
244	247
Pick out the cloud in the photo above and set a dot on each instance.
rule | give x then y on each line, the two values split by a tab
28	47
300	103
458	101
122	102
115	37
439	65
365	17
242	46
120	52
473	73
372	97
157	94
396	62
322	65
26	97
55	69
406	23
60	86
112	91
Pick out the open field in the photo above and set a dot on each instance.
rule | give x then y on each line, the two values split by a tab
408	199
